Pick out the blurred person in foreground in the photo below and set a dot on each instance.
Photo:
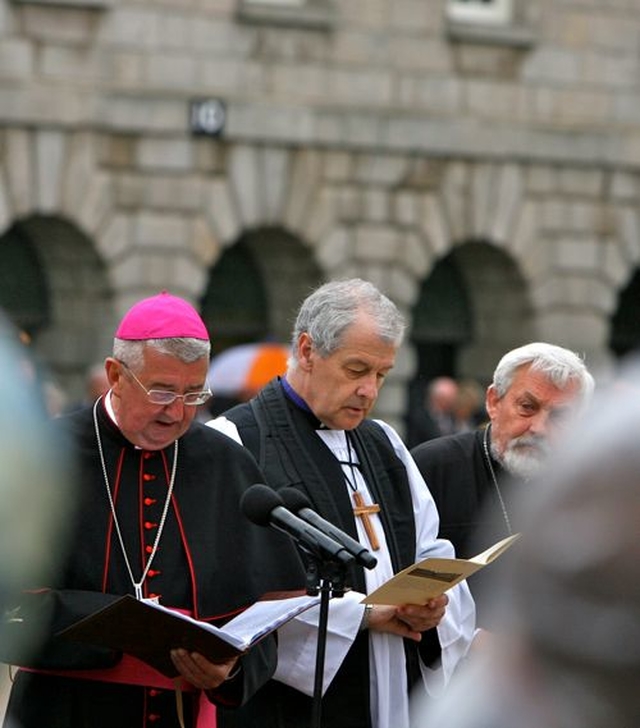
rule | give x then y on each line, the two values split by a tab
536	392
570	652
34	488
156	515
310	430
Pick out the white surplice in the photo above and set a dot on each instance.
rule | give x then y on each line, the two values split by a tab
297	640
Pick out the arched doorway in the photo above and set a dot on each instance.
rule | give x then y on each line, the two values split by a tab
472	308
54	286
625	328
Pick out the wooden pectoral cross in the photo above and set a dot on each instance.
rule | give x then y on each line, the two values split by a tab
363	511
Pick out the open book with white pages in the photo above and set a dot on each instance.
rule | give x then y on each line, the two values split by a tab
149	631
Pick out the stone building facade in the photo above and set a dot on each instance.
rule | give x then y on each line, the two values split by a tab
486	174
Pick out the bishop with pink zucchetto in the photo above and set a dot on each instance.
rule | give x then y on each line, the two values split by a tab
157	516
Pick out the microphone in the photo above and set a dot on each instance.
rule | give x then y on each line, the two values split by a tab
264	507
298	502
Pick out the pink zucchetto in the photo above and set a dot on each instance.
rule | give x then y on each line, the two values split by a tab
162	317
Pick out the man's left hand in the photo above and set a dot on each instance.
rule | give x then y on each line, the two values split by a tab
199	671
423	617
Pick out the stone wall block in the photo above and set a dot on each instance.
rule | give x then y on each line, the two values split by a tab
628	232
58	24
305	176
577	253
160	230
203	242
175	193
350	203
434	225
405	208
115	238
79	169
581	182
537	261
386	170
625	186
322	215
145	273
481	184
6	213
575	330
455	201
524	232
188	275
168	154
222	212
50	150
336	248
274	182
403	287
505	204
338	166
541	179
416	255
244	179
615	265
96	204
376	205
19	170
132	26
16	58
376	243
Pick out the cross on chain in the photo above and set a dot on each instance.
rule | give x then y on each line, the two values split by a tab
363	511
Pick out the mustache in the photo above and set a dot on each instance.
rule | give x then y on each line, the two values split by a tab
534	442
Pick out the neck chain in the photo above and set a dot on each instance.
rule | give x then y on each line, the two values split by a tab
485	442
137	585
351	482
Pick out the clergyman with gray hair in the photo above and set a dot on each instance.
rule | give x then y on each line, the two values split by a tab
536	392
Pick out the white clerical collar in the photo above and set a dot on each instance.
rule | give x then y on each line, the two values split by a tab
109	407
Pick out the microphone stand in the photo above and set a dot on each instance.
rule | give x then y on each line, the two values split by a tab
327	577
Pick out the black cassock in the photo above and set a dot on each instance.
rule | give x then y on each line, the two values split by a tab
210	560
458	475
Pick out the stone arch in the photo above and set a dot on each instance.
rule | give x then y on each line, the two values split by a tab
54	197
256	286
75	332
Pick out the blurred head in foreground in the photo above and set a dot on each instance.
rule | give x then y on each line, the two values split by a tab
571	650
33	485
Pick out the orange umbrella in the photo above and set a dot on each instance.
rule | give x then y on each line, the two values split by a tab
243	370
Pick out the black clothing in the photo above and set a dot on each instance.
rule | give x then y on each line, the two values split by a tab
210	560
456	471
283	438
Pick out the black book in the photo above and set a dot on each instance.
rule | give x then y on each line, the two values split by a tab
149	631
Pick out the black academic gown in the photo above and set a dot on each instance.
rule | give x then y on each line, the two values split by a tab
211	560
471	517
283	438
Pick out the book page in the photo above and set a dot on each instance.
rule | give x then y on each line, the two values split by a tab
433	576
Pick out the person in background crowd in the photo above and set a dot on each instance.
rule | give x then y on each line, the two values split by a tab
310	430
156	515
473	476
468	410
570	652
437	416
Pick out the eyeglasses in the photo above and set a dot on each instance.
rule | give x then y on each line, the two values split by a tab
165	398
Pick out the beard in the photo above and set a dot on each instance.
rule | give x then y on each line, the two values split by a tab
523	456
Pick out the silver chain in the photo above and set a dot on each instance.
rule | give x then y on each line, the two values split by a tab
137	585
495	480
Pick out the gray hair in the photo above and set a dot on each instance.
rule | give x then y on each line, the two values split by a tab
187	350
561	366
332	308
